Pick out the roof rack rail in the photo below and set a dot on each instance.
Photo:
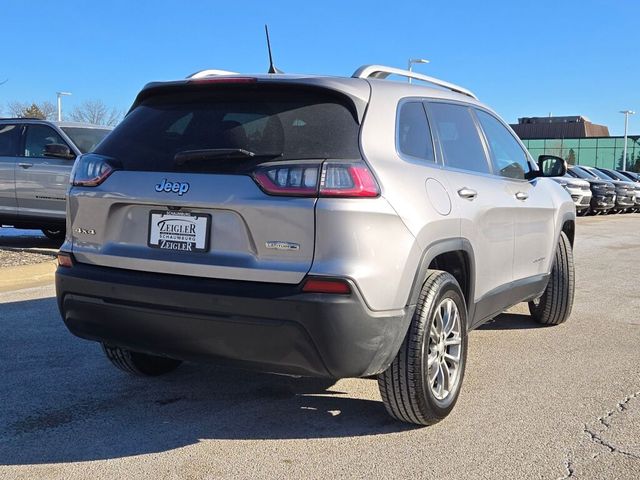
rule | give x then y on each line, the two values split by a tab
381	71
210	73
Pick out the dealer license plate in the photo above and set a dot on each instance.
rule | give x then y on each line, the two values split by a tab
182	231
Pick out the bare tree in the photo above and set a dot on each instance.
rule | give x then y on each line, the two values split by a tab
96	112
43	110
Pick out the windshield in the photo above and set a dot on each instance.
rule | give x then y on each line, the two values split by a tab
86	139
580	173
267	121
599	174
616	176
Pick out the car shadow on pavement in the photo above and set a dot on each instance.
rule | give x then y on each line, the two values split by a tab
511	321
26	239
64	402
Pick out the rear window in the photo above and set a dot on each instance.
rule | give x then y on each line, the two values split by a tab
86	139
269	122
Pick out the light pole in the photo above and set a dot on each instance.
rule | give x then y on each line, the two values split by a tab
415	60
60	95
626	124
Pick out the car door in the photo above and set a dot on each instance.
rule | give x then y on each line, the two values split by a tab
484	201
534	208
9	141
41	181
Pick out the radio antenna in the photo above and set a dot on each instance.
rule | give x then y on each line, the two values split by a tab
272	67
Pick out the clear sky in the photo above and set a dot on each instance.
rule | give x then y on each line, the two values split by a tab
521	57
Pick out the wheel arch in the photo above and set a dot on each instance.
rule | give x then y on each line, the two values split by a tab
569	228
455	256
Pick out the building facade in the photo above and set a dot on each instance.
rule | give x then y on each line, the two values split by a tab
593	151
578	141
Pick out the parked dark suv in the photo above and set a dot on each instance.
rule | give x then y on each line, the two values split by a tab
603	198
632	185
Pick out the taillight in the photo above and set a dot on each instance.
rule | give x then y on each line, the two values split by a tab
329	179
347	180
91	170
289	179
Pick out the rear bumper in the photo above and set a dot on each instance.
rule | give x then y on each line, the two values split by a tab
270	327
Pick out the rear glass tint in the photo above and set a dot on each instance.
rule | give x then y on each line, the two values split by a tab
270	122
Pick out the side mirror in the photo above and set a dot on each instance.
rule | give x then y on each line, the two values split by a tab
58	150
551	166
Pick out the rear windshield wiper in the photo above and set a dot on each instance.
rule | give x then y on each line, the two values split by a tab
186	156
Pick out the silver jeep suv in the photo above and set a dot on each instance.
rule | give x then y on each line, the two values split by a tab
318	226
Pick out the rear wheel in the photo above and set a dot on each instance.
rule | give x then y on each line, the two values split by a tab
553	307
423	382
56	234
138	363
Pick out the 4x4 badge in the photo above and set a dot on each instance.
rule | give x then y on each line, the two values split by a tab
172	187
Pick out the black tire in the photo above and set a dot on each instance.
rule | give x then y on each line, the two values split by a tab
404	387
141	364
56	234
554	306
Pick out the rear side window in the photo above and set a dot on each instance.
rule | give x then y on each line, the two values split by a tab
38	137
272	123
459	138
414	136
9	139
508	157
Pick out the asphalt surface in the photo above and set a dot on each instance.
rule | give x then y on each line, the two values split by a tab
537	402
25	247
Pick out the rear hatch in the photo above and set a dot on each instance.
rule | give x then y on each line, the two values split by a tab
215	179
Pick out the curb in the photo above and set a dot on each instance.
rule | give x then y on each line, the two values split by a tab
26	276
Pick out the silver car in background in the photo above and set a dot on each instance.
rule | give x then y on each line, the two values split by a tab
313	225
36	157
580	192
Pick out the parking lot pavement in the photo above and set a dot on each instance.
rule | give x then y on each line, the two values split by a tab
25	247
538	402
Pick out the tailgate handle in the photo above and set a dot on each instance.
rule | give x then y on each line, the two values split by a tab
25	165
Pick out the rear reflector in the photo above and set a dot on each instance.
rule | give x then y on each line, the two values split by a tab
314	285
65	260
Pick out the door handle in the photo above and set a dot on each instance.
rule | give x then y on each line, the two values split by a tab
522	196
467	193
25	165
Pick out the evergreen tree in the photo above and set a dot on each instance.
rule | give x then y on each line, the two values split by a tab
33	111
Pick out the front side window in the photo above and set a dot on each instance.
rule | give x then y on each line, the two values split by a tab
9	139
509	159
414	136
38	137
459	138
